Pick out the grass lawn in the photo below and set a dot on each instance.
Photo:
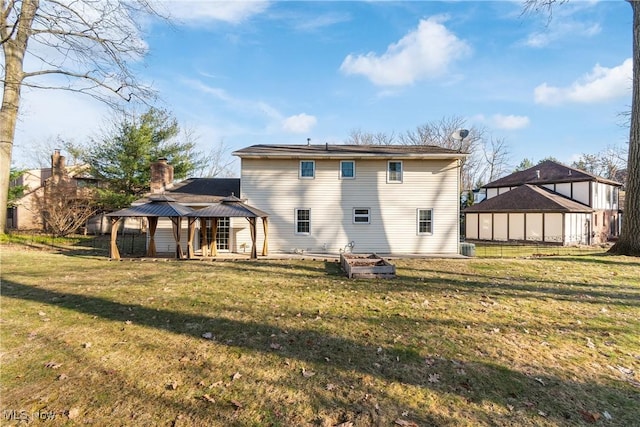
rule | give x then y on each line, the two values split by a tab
501	342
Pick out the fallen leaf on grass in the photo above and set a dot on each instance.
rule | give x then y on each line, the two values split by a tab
590	417
207	336
128	322
307	374
236	376
52	365
209	398
62	377
86	345
172	385
434	378
345	424
237	404
405	423
275	346
540	381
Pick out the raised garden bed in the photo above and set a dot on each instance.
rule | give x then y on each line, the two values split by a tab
367	267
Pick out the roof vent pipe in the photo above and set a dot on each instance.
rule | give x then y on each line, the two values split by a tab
308	141
326	146
538	174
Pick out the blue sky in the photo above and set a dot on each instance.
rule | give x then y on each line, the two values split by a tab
249	72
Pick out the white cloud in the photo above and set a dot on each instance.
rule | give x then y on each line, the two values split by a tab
423	53
238	104
299	123
561	31
197	12
510	122
601	84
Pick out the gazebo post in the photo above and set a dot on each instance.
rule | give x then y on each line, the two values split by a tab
114	253
190	236
252	226
214	239
265	245
203	237
177	230
153	225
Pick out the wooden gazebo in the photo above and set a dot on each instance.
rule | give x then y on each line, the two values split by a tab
159	206
231	207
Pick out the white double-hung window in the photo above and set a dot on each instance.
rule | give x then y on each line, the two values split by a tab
425	221
307	169
347	169
303	221
394	171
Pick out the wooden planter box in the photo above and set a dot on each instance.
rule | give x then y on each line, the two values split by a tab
367	267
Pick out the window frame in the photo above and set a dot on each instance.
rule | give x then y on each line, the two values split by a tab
356	215
395	181
354	169
313	170
428	221
298	221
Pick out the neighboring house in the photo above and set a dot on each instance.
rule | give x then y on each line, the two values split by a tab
27	212
550	203
365	199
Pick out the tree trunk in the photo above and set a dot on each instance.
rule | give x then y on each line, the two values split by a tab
629	242
14	49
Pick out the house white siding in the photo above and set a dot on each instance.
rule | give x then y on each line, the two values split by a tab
581	192
486	226
516	226
471	226
501	226
273	185
553	227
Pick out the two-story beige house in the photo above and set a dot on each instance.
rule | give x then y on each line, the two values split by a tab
362	199
550	203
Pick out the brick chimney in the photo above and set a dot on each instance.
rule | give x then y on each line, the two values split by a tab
161	176
58	168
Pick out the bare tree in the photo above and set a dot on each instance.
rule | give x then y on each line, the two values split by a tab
607	163
496	156
359	137
629	241
64	207
218	163
439	133
84	46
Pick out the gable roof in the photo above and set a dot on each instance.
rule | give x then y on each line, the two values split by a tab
549	172
200	190
228	207
159	206
331	151
528	198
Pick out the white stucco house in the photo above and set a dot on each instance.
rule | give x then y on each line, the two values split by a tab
363	199
549	203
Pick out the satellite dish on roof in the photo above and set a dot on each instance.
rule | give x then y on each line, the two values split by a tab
460	134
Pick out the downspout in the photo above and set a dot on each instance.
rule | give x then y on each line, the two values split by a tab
458	205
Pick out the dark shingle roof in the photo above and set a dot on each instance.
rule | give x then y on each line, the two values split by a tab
347	151
550	172
201	190
528	198
159	206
